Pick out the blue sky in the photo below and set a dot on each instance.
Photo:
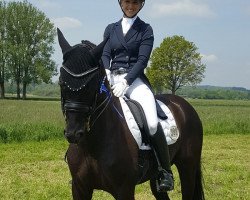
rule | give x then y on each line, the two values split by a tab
219	28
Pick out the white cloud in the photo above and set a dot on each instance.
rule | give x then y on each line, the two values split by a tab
209	58
182	8
67	23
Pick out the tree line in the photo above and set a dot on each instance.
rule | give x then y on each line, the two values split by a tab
26	47
52	91
213	92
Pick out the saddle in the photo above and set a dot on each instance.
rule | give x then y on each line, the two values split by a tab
137	124
140	118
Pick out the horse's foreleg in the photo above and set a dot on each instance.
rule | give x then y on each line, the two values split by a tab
81	193
158	195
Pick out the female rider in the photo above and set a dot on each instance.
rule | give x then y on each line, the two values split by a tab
125	56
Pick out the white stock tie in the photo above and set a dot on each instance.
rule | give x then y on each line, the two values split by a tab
126	24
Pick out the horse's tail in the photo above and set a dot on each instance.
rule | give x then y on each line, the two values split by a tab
198	190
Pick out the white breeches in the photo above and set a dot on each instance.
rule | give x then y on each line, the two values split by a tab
140	92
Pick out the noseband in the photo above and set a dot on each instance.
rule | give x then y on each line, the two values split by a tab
75	106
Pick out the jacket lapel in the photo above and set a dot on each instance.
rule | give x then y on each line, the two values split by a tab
119	33
133	30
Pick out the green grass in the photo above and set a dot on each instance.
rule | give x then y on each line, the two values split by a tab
35	120
224	116
32	169
36	170
30	120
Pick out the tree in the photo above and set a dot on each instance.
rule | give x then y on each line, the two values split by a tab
3	54
155	80
30	36
174	64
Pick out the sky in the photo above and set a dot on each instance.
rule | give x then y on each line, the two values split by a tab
220	29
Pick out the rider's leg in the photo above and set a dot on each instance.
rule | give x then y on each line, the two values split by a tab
160	146
141	93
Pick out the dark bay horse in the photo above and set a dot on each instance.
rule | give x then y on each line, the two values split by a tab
102	153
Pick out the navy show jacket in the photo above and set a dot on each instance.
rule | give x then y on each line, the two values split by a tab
131	51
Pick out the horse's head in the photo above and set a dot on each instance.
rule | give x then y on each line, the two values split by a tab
79	79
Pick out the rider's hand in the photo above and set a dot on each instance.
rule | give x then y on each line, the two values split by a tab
119	89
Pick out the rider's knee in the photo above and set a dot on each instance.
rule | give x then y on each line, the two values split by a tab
152	128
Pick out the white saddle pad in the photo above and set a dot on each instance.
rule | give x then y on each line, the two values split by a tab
169	125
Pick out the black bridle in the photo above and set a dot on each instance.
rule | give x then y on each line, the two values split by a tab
80	107
77	106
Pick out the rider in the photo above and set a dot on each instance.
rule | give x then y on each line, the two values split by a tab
125	56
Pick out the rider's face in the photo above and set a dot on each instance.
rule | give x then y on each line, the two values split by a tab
131	7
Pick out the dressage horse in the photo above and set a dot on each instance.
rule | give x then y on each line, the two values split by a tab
102	153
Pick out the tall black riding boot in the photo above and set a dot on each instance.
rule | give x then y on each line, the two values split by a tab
165	181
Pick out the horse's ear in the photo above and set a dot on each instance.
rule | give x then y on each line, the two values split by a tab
97	51
65	46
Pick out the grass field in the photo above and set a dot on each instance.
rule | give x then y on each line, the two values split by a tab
32	149
36	170
223	116
30	120
43	120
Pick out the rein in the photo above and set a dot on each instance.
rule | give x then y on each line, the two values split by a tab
105	102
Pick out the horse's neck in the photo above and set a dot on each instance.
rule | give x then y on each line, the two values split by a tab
108	118
111	136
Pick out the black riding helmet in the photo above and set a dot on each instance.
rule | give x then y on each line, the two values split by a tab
143	2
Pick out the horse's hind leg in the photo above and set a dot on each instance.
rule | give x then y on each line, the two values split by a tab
157	195
81	194
187	172
125	193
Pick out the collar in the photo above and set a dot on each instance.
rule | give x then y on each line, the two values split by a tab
129	21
